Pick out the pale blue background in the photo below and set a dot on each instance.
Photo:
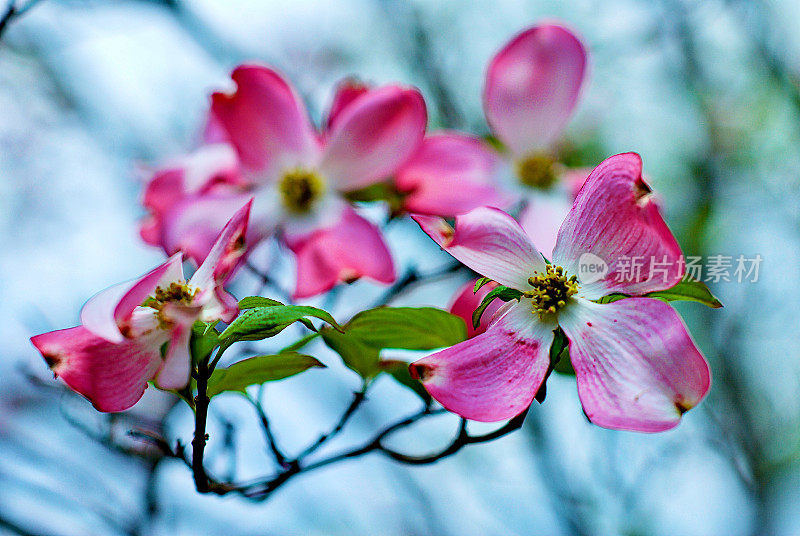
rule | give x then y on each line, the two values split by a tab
90	90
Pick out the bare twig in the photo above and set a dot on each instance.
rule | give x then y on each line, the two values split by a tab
14	12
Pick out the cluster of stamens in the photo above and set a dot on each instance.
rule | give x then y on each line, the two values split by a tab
536	171
300	188
551	291
177	292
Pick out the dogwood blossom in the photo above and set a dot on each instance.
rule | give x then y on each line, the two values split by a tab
117	348
298	176
637	368
531	89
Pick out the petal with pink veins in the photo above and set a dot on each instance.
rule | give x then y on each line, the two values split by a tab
350	249
112	376
466	301
451	173
495	375
532	86
372	136
108	313
346	92
615	219
266	121
636	365
490	242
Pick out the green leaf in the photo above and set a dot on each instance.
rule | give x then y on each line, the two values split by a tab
252	302
355	354
686	290
409	328
263	322
399	371
203	341
257	301
495	143
610	298
259	369
479	283
381	191
500	292
559	354
300	343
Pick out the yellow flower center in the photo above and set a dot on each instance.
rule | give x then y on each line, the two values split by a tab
536	171
177	292
551	290
300	188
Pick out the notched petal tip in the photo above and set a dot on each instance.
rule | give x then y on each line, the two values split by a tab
420	371
437	228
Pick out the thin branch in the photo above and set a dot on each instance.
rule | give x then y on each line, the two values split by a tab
13	12
267	281
279	456
201	401
358	398
262	488
413	278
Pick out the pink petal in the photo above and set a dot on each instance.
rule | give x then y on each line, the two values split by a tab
227	252
193	225
450	174
637	367
211	167
346	251
532	86
490	242
347	91
466	301
112	376
265	120
373	135
226	255
214	131
107	314
493	376
175	370
575	178
542	217
615	219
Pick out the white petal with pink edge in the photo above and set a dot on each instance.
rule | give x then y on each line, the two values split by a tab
490	242
495	375
615	219
636	365
108	312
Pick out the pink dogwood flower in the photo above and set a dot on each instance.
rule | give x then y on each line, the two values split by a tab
298	176
531	89
117	348
637	367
